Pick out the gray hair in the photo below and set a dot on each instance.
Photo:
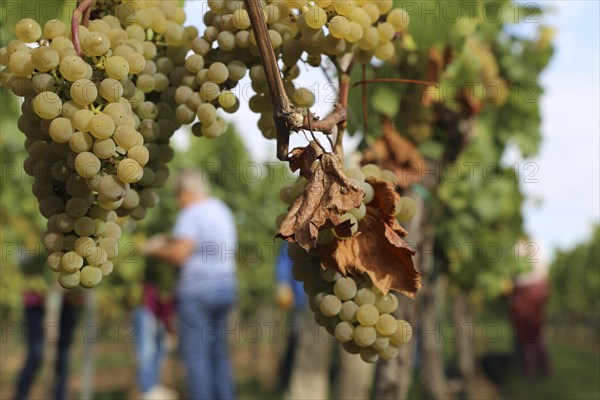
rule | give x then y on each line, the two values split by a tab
192	181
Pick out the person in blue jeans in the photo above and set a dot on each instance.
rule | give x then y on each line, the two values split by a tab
204	246
152	321
34	324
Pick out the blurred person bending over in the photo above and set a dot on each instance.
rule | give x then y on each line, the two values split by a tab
527	307
203	246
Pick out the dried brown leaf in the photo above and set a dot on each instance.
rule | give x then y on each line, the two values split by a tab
394	152
328	193
379	249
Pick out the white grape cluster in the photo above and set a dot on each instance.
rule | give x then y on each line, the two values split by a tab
405	207
227	51
353	310
97	125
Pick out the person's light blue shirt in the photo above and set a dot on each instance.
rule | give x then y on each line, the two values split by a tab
210	224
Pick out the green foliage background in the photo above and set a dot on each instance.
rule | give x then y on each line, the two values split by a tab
475	200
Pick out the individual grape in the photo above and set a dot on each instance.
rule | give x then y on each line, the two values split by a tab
71	262
61	130
399	19
212	131
386	325
43	83
345	288
358	213
118	112
53	241
54	260
106	268
330	275
87	164
369	39
47	105
129	171
368	354
218	72
84	226
139	154
369	193
303	98
83	92
207	114
131	199
104	148
76	207
127	137
386	303
149	197
54	28
64	223
389	176
386	31
96	256
90	276
84	246
367	315
364	296
108	203
348	311
209	91
81	120
51	205
381	343
406	208
351	347
112	188
389	352
237	70
73	67
344	332
227	99
315	17
113	230
101	126
111	90
330	305
372	11
44	58
384	51
355	32
364	335
28	30
96	44
69	108
360	16
68	280
339	26
136	62
80	142
403	333
146	83
117	67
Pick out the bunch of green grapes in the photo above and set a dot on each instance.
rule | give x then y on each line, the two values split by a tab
300	32
352	309
97	124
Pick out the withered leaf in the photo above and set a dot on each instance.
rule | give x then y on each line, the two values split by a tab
379	249
398	154
328	193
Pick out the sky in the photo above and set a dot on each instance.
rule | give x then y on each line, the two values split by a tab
563	192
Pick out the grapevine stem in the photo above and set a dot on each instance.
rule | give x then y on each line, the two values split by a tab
82	8
392	80
282	106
